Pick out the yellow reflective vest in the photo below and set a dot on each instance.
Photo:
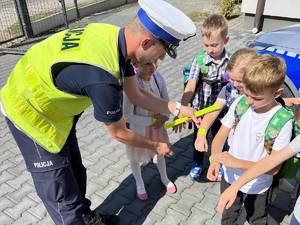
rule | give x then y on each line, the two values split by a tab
30	98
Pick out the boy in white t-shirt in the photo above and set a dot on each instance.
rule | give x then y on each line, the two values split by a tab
263	81
261	167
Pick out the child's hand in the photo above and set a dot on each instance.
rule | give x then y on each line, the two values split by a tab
160	121
201	143
292	101
226	159
227	199
213	171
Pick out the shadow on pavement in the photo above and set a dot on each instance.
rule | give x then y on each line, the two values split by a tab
123	201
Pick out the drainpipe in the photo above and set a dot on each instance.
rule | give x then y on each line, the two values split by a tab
258	16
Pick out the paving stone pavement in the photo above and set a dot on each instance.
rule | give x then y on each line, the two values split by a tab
110	184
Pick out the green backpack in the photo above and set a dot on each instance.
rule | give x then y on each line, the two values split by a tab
277	122
187	68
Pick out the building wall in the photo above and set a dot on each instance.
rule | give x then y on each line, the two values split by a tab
278	8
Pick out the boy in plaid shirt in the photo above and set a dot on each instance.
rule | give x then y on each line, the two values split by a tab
207	78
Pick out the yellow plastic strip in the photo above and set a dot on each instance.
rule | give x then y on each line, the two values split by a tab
199	113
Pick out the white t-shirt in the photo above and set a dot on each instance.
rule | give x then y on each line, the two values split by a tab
295	146
247	143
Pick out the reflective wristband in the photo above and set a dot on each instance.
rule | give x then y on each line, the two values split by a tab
210	160
177	109
202	131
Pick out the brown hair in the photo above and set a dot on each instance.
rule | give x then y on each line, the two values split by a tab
264	72
241	58
214	23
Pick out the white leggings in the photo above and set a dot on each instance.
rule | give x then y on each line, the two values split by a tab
136	171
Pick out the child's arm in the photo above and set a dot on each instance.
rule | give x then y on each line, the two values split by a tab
227	159
264	165
186	99
188	92
281	140
190	87
219	140
217	147
291	101
207	121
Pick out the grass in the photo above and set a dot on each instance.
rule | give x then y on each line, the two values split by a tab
199	16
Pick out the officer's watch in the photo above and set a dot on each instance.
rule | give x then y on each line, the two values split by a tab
177	109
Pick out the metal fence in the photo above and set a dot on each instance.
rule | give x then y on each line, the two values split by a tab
30	18
9	21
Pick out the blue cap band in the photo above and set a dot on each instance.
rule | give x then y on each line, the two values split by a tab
157	31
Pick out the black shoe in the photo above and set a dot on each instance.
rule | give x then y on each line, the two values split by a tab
98	219
91	219
109	219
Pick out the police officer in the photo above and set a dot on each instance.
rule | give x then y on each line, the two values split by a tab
58	78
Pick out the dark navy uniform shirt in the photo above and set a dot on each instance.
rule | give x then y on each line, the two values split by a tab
99	85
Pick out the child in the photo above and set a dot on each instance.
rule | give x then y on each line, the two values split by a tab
262	84
150	125
231	91
263	166
236	69
207	78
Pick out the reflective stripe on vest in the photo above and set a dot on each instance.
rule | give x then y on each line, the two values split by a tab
30	98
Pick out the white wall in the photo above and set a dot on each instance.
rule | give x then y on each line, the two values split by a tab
281	8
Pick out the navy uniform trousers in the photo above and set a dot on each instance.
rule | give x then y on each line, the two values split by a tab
59	179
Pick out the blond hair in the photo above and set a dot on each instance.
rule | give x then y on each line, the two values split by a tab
264	72
240	59
214	23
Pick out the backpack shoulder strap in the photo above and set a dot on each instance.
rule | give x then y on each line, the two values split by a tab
200	58
296	129
277	122
241	108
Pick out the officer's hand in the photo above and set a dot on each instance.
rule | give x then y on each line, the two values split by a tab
189	112
164	149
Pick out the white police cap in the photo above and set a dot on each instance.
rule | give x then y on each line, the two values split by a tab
166	23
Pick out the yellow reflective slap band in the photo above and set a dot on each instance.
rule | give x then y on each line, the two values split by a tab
199	113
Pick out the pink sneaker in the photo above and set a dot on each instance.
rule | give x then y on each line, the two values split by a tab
171	188
142	197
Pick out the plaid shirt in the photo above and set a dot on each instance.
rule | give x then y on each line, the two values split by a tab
208	88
